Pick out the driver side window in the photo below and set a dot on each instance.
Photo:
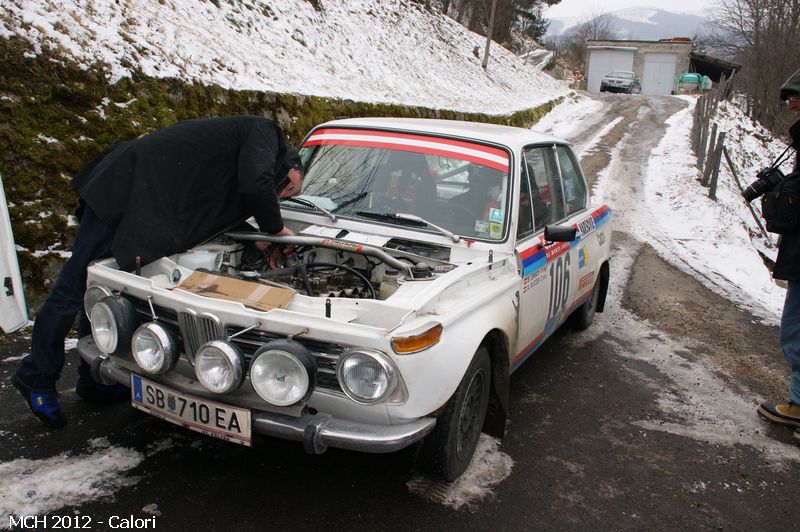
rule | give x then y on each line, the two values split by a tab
574	186
546	193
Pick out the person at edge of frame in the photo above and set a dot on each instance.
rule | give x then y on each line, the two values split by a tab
150	197
787	267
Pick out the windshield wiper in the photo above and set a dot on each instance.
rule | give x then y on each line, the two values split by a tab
307	203
406	217
356	198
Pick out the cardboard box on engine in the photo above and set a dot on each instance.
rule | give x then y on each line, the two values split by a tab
251	294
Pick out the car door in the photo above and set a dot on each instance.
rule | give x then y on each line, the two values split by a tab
556	276
543	266
584	250
13	313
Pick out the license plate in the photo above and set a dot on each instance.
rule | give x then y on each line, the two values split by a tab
201	415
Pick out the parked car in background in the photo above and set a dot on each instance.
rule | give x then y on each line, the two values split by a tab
431	259
621	81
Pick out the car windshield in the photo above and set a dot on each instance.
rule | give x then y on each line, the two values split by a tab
621	74
460	186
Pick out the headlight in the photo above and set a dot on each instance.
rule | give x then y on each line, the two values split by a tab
154	348
219	367
92	295
113	321
283	372
366	376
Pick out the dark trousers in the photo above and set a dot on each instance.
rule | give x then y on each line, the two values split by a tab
42	367
790	338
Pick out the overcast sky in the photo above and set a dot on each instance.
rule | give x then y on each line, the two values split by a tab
580	8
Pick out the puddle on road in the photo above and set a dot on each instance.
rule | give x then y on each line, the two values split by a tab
488	468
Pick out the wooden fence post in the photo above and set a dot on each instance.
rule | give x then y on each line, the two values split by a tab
712	192
702	131
711	155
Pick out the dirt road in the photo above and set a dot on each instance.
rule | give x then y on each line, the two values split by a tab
645	421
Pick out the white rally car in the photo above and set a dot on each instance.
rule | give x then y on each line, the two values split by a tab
431	258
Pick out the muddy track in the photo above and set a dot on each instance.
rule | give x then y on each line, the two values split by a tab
674	302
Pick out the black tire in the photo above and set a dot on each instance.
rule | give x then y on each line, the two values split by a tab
448	450
583	316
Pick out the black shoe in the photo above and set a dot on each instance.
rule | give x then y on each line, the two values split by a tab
101	393
42	402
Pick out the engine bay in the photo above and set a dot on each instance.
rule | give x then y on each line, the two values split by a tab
317	266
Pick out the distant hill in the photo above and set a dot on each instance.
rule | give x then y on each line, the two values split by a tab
640	23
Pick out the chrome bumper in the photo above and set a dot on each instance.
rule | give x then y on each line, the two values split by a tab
316	431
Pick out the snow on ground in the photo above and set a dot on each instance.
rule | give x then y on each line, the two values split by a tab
388	51
489	467
569	116
36	487
715	238
718	242
394	51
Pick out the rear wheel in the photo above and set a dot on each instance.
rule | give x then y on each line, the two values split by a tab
448	450
583	316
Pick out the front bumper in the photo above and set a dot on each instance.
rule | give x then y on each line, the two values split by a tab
316	431
616	88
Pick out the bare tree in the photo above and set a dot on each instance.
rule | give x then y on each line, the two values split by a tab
598	26
764	37
510	16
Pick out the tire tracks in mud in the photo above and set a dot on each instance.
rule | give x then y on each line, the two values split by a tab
739	349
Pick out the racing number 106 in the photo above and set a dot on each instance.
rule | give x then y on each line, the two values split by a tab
559	285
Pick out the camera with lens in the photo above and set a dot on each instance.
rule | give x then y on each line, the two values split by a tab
766	180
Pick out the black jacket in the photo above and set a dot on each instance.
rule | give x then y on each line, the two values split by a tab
172	189
787	265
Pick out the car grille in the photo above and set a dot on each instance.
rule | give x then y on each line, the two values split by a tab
192	329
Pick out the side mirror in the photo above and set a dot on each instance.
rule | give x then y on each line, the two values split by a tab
560	233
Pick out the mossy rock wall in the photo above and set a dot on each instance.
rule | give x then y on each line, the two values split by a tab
56	116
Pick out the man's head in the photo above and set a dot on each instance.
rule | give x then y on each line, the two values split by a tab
790	93
289	175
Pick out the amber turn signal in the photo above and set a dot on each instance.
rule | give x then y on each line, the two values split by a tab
418	342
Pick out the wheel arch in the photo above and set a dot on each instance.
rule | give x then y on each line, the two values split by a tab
605	276
496	344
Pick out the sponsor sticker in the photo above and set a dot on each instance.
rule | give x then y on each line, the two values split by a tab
586	226
533	280
583	257
585	281
496	230
496	215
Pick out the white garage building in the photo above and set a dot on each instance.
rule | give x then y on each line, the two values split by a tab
657	63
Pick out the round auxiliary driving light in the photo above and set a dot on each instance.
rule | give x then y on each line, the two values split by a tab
154	348
92	295
219	366
113	321
366	376
283	372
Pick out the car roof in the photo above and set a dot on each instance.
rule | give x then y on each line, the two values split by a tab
505	135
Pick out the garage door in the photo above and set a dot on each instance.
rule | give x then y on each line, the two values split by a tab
658	75
604	60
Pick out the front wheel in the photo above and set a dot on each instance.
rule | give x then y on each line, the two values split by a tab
448	450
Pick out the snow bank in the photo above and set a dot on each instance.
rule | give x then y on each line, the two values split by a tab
389	51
